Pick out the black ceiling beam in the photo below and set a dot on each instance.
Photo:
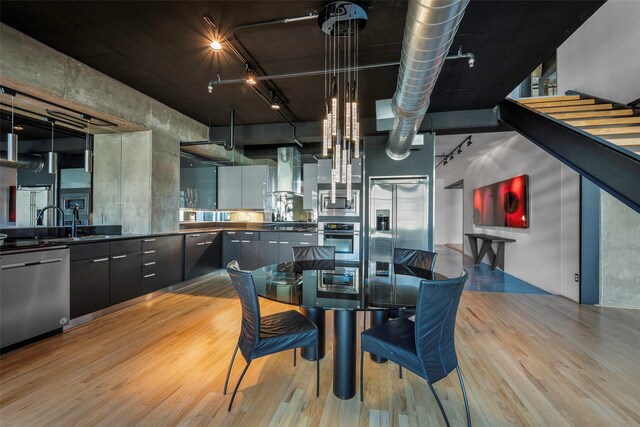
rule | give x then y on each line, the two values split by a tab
612	168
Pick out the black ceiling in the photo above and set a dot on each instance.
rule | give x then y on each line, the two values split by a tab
161	49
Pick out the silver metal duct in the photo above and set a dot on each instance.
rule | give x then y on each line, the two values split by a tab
428	34
35	164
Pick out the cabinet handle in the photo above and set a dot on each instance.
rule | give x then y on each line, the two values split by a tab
304	243
246	241
272	241
200	244
146	264
149	240
100	260
235	241
149	275
194	235
119	257
247	232
284	243
307	234
50	261
231	232
212	234
149	252
208	243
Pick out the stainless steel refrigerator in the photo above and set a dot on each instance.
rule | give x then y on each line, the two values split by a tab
398	218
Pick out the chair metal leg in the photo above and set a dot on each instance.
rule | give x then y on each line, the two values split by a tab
317	373
400	371
433	390
294	357
235	390
464	395
226	381
361	375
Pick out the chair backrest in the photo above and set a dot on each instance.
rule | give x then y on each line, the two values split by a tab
435	325
246	289
415	258
313	253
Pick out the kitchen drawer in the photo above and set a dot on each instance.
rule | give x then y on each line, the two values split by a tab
149	282
89	251
269	235
149	267
149	256
148	244
290	236
249	235
311	238
195	238
125	246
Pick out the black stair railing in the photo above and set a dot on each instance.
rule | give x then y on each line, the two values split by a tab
612	168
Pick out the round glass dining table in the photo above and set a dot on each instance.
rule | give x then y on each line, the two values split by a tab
345	288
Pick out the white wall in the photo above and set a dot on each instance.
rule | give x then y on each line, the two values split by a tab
448	215
545	254
602	58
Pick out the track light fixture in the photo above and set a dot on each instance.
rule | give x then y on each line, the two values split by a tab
251	78
276	102
215	45
210	87
457	150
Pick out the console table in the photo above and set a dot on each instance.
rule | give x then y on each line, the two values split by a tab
497	259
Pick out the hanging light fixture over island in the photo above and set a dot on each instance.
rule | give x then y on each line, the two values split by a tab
341	22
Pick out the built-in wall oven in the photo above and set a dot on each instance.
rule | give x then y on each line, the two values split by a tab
345	237
344	204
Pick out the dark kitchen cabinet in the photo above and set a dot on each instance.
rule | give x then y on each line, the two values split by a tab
125	274
89	274
231	249
169	260
269	252
249	254
285	253
213	252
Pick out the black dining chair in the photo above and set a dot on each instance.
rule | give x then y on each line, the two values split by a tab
426	347
314	253
261	336
415	258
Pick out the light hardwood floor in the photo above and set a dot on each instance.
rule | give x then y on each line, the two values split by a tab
527	360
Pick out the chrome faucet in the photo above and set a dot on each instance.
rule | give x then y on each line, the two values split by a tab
75	216
60	214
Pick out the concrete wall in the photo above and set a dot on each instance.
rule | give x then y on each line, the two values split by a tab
447	227
619	254
544	254
32	67
602	58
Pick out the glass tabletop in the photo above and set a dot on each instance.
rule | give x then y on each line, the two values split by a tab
342	286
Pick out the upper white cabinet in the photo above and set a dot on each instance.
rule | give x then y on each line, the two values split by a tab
244	187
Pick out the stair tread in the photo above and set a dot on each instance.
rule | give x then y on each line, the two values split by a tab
625	142
604	121
614	130
536	105
593	107
594	114
547	98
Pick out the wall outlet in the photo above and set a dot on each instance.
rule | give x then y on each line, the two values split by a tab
576	277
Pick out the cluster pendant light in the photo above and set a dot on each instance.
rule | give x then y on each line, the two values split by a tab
341	22
12	138
52	156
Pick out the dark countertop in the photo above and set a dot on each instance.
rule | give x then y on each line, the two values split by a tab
27	245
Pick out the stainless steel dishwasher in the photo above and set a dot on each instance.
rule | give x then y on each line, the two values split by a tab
34	294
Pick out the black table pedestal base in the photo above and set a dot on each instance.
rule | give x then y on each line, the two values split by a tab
376	317
344	353
317	316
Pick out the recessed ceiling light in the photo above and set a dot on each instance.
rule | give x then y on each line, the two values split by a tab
216	45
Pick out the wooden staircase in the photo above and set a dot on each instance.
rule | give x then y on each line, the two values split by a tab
615	123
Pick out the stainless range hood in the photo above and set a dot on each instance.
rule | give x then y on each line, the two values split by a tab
289	171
